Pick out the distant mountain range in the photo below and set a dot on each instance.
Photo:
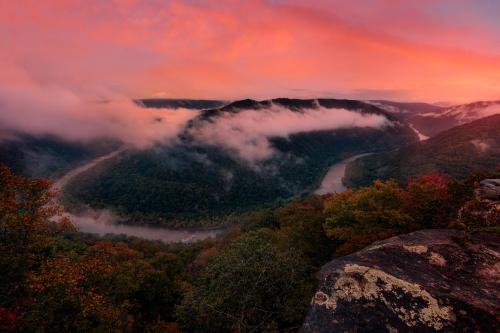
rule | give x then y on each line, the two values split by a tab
457	152
429	119
167	103
426	119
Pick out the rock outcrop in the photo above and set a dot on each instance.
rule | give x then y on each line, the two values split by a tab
489	189
426	281
484	210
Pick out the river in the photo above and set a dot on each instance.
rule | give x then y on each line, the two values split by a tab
104	221
332	182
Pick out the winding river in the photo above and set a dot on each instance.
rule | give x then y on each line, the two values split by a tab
104	221
332	182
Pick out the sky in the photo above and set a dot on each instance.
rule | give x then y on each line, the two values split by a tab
97	50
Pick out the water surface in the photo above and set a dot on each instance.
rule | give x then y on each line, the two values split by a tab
104	221
332	182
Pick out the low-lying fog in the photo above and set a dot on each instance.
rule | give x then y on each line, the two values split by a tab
103	222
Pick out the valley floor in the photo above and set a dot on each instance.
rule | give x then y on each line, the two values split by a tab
105	222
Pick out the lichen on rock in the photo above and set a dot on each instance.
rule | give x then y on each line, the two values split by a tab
420	249
437	259
426	281
373	284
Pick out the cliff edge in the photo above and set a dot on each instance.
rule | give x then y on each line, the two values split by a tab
425	281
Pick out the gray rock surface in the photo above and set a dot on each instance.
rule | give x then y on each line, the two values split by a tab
425	281
489	189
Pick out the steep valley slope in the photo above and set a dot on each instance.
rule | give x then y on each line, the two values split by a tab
47	156
458	152
202	176
430	119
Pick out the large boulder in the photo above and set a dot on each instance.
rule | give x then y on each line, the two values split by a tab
489	189
484	210
425	281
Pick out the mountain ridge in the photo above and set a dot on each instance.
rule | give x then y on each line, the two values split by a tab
457	152
431	119
200	177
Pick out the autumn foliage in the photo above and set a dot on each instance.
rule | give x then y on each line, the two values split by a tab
358	218
258	277
51	283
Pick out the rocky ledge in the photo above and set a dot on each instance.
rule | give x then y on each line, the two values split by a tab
426	281
489	189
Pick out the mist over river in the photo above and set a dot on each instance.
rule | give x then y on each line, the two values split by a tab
104	221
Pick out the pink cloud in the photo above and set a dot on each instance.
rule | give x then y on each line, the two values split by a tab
246	134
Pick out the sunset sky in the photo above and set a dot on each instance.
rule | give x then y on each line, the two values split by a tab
426	50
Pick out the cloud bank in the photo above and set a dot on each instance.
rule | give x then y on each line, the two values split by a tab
247	133
52	110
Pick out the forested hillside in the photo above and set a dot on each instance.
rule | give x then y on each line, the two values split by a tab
204	176
48	156
259	276
412	113
472	147
431	119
